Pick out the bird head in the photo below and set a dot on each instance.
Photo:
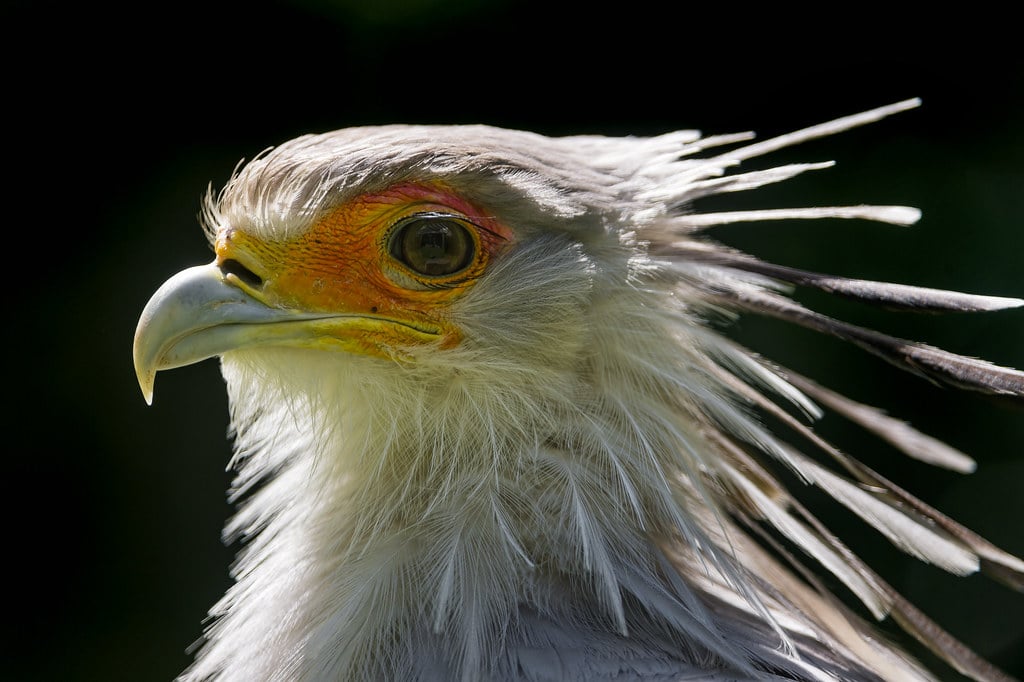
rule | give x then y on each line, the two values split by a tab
397	243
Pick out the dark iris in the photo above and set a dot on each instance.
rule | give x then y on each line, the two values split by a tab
433	246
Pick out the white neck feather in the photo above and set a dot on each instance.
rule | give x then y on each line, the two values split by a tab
417	509
465	510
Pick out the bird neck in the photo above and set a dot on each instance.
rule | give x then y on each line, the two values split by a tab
435	505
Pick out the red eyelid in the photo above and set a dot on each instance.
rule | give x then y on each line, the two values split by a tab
441	200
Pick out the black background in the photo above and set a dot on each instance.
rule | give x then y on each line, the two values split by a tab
117	119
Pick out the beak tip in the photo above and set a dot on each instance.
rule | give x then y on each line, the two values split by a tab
144	366
146	380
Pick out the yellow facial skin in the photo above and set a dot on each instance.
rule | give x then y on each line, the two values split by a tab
342	264
337	286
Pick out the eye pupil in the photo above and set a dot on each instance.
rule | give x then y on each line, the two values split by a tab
433	243
433	246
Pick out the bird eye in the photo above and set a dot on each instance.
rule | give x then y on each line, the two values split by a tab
433	246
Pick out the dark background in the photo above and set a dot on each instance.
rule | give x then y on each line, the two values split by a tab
118	119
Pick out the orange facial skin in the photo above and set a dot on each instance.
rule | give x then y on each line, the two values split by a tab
343	266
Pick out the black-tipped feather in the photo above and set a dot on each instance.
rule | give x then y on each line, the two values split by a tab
927	361
898	433
912	620
888	294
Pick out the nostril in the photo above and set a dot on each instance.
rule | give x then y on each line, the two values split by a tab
233	267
